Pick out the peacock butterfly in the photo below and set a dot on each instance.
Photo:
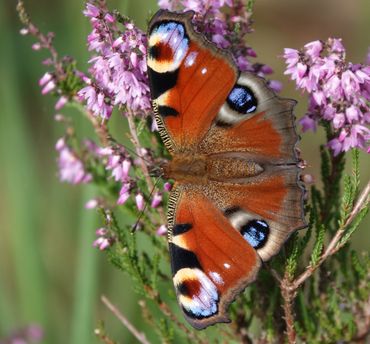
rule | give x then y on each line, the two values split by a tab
236	196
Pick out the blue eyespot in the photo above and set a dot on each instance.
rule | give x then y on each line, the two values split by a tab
242	99
255	232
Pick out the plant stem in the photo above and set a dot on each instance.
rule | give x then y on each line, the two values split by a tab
289	292
138	335
333	245
290	288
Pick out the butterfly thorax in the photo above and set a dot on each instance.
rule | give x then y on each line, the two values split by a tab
198	168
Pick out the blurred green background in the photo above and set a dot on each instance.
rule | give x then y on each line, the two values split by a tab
49	273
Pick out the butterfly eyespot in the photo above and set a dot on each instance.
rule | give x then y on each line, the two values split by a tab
168	45
255	232
160	52
196	292
242	100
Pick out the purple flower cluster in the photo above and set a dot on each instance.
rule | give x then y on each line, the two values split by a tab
71	168
339	92
118	68
226	23
104	239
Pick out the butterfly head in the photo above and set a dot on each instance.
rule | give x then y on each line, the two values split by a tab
157	171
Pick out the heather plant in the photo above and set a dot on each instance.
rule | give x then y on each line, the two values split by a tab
317	289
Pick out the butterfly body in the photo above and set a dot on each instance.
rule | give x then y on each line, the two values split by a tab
192	168
236	196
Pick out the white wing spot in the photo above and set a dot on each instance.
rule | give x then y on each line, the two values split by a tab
216	277
191	59
227	266
204	70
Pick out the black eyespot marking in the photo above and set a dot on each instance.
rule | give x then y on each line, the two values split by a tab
256	233
154	52
181	228
242	99
165	111
181	258
161	82
183	289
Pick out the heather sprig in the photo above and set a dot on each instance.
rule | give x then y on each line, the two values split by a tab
118	67
339	92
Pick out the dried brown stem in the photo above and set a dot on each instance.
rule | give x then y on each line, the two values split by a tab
333	246
289	288
288	293
138	335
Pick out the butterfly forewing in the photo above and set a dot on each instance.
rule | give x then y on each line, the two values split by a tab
189	77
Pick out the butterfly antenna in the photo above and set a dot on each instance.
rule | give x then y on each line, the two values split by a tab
113	142
133	230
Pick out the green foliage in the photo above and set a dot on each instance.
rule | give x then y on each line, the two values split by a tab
318	246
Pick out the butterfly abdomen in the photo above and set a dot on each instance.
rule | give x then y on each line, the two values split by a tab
198	169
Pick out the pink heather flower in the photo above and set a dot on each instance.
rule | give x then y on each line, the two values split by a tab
48	87
156	201
167	187
101	231
24	31
101	243
120	167
353	114
350	84
91	204
161	231
61	102
71	168
313	49
36	46
124	194
336	45
45	79
291	57
338	120
139	199
307	123
91	11
104	240
339	92
275	85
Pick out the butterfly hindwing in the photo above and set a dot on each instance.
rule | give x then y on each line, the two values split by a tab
211	263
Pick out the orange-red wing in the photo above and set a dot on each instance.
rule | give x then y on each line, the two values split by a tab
189	79
211	262
266	132
270	205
